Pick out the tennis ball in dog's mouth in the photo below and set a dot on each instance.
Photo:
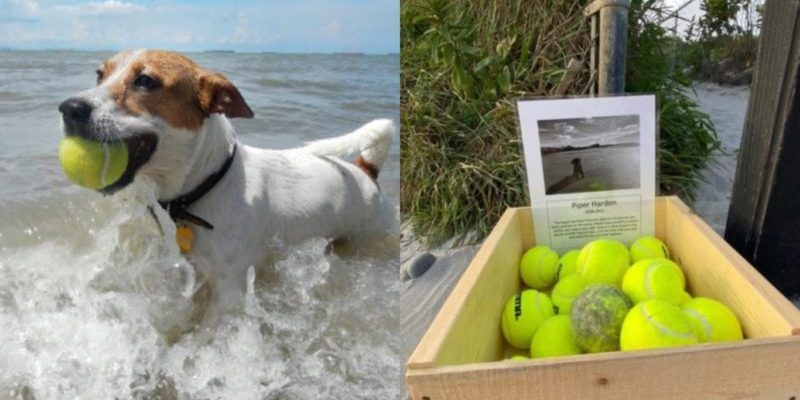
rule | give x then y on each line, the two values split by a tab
93	165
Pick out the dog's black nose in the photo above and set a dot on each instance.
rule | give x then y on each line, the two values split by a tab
75	112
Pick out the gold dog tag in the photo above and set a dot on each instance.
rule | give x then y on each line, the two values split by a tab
184	236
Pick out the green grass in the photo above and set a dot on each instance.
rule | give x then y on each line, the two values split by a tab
464	64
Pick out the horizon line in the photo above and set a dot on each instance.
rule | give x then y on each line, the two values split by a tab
210	50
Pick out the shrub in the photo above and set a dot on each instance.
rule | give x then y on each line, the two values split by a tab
464	65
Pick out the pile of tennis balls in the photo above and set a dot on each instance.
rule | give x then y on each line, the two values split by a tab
607	297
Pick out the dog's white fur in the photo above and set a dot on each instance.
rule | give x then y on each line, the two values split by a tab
268	197
287	196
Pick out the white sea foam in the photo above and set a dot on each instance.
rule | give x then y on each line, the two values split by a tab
109	311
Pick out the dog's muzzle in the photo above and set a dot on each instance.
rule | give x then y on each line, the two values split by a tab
77	113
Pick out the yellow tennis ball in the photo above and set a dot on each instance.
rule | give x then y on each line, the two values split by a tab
712	321
648	247
684	298
91	164
554	338
655	278
538	267
597	316
565	292
655	324
566	264
603	261
523	314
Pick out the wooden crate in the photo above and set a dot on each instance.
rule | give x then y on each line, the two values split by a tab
461	355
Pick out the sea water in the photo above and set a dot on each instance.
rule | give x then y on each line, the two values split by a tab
97	303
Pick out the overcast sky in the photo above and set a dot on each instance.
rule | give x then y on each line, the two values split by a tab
370	26
691	10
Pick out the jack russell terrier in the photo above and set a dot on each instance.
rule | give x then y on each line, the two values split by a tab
227	199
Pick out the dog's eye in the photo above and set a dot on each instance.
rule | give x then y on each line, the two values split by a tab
99	75
146	83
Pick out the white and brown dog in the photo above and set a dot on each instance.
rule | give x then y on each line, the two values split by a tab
173	116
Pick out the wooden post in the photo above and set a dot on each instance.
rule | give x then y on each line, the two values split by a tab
609	19
764	215
573	68
594	20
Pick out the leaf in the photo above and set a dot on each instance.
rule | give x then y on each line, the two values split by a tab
504	47
525	51
483	64
462	81
504	80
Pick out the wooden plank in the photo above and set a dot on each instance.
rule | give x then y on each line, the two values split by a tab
595	6
713	269
594	20
754	369
613	50
573	68
526	224
609	35
470	317
661	217
763	220
457	357
474	306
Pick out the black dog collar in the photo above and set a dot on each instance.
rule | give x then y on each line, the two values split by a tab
177	207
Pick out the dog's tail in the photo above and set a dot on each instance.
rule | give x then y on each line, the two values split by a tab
371	141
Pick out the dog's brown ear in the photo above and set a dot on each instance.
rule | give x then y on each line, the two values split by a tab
218	95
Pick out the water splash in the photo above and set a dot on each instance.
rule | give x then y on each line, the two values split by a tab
102	305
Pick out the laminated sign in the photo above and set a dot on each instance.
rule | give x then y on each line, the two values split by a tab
591	168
